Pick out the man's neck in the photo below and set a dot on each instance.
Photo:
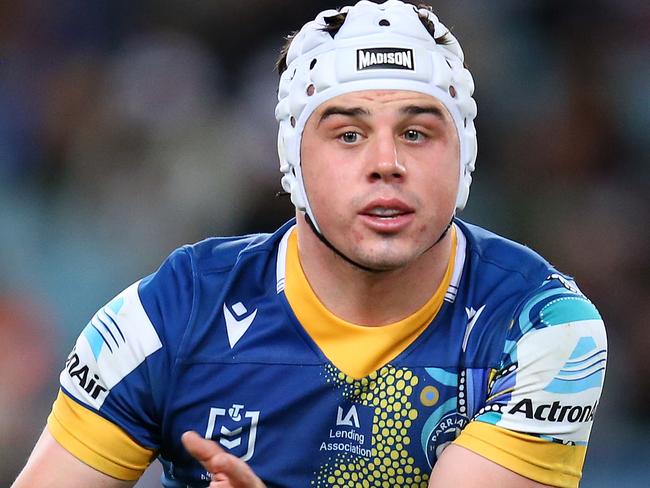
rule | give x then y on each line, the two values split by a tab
371	298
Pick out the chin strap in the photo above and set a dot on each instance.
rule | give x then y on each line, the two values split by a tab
322	238
325	241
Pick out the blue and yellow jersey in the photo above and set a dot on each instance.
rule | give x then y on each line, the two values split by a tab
227	338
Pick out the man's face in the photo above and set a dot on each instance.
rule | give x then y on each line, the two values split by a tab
381	173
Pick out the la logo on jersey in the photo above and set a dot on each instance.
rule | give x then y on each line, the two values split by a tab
235	429
351	418
352	432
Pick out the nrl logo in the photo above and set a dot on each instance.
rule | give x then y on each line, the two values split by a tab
385	58
235	429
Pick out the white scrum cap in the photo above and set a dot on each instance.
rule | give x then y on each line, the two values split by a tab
379	46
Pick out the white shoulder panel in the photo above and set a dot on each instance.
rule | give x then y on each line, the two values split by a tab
558	381
116	340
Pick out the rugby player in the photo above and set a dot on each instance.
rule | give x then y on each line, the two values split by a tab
376	340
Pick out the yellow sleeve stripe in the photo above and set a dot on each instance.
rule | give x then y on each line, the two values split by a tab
546	462
97	442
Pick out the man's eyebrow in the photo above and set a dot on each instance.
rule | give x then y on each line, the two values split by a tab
426	109
345	111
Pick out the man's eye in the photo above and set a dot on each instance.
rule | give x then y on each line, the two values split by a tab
412	135
350	137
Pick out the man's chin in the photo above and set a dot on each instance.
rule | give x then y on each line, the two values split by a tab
384	263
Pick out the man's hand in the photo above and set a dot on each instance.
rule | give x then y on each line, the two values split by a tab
227	470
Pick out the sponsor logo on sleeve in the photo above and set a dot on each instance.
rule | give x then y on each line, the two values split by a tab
557	385
554	412
81	374
115	342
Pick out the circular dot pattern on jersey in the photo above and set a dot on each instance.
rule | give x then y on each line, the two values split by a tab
386	392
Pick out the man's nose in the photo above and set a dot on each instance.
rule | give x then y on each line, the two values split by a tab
384	161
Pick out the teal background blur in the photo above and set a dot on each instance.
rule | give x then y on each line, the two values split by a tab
130	128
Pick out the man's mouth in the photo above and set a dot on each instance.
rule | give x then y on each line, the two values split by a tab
387	208
387	215
385	212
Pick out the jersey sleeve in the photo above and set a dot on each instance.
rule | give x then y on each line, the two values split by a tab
542	398
109	409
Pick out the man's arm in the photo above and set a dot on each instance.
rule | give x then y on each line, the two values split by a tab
50	465
553	364
458	466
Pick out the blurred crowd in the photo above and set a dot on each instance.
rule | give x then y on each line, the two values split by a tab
130	128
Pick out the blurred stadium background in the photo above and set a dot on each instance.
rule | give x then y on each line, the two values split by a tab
130	128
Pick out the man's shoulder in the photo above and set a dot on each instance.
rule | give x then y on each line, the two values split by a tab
503	271
195	278
501	275
216	254
488	250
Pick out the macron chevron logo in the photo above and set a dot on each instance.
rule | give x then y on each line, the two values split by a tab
583	370
237	322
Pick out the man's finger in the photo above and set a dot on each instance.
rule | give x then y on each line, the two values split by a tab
220	463
201	449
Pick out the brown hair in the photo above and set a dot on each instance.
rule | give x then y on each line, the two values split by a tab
334	23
